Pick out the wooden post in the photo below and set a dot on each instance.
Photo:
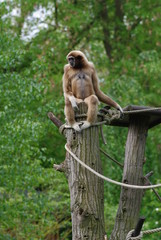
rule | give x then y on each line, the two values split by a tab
86	189
130	199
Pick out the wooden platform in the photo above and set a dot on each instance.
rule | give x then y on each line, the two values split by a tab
153	115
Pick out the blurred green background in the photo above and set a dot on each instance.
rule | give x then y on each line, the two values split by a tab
122	39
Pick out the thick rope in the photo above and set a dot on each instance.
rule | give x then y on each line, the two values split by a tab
85	115
141	110
106	178
151	231
128	237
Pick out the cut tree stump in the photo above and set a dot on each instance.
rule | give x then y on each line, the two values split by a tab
86	189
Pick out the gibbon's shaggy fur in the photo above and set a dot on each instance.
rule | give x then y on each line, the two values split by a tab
80	83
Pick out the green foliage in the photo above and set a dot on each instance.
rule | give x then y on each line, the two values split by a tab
32	195
34	200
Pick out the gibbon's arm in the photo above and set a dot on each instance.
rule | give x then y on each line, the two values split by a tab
66	83
101	96
66	87
68	91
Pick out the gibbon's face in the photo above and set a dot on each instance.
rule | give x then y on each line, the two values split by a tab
75	62
72	61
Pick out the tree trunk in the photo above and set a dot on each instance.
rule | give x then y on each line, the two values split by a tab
130	199
86	189
103	14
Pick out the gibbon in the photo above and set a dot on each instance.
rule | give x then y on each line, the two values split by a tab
80	83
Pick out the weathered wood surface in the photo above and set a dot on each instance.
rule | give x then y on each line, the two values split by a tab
86	189
130	199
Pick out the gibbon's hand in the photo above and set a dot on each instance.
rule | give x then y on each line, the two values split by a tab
73	102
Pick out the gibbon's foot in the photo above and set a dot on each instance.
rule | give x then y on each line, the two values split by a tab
76	127
85	125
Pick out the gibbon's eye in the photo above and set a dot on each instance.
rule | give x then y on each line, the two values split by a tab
70	58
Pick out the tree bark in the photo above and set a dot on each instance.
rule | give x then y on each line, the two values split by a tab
86	189
130	199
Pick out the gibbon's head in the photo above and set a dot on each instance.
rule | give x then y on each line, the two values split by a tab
77	59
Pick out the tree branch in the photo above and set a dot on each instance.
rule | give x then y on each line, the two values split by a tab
118	19
56	12
76	37
118	11
59	167
106	32
147	182
55	120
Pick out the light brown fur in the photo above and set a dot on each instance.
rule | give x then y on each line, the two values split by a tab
80	83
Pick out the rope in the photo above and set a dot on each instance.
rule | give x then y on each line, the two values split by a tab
98	123
152	231
85	115
141	110
129	237
106	178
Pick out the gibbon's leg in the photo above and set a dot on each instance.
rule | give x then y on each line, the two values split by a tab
69	113
92	103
